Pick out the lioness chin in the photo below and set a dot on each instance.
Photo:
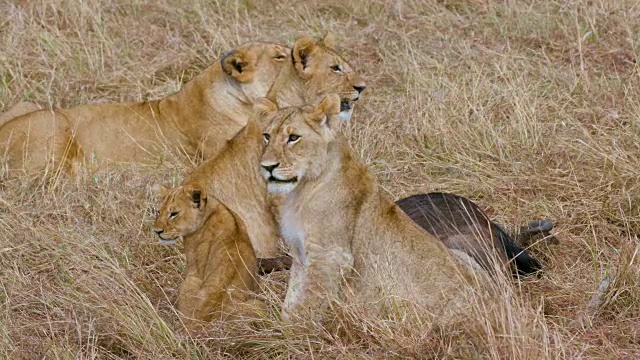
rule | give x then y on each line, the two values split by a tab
339	225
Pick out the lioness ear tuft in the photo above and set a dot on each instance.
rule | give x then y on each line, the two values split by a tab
235	64
329	40
325	112
302	50
330	105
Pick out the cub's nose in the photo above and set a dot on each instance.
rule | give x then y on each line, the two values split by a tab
270	168
158	231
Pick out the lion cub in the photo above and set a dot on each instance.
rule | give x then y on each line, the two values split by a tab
340	225
221	264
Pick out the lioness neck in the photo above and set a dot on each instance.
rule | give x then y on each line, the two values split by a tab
212	102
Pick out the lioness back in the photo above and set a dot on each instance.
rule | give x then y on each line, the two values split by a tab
221	264
196	121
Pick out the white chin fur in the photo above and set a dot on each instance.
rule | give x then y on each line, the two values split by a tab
280	188
167	242
345	115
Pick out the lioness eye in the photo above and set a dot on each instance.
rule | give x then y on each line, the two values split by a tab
280	57
266	137
173	215
336	68
293	138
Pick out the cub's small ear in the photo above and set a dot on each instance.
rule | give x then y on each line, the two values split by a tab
302	51
264	106
329	40
197	194
237	64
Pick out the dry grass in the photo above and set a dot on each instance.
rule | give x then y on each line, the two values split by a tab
529	107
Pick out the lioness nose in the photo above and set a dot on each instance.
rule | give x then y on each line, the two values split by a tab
158	231
270	168
360	87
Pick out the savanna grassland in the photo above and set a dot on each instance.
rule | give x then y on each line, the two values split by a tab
531	108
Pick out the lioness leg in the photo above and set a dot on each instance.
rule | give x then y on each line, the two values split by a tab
318	280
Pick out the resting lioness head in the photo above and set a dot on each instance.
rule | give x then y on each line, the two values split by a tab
181	213
255	65
297	141
319	71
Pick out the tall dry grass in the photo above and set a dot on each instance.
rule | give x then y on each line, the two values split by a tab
529	107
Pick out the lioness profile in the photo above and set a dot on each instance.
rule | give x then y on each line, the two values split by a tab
221	264
196	121
316	70
339	225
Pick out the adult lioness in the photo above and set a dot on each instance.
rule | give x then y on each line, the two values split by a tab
340	225
221	264
209	110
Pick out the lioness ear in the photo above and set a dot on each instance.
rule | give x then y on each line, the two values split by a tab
197	194
237	64
326	113
302	50
329	40
263	107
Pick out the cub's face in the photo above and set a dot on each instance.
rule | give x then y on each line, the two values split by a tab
181	213
326	72
297	142
255	66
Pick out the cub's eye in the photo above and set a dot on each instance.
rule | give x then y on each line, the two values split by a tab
280	57
173	215
293	138
266	137
337	68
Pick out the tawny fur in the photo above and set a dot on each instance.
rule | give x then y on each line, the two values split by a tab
340	225
197	121
19	109
221	264
233	177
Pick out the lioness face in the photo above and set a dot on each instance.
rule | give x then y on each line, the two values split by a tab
255	66
297	142
181	213
326	72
